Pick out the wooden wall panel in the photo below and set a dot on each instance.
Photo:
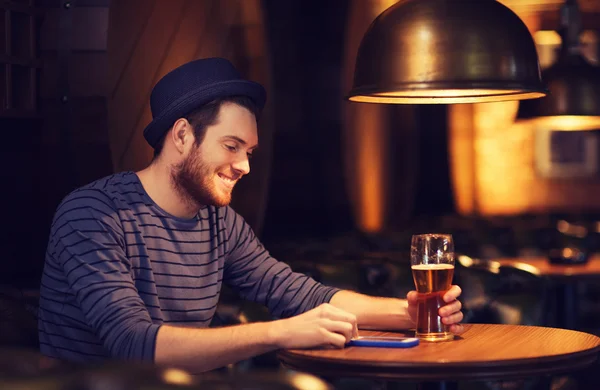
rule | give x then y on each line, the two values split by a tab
88	77
128	22
90	25
130	97
75	107
144	46
64	143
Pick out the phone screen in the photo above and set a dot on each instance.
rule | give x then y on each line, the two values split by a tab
382	338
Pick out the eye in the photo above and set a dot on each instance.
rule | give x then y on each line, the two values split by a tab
231	148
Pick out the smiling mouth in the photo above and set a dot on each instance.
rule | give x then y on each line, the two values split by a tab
229	182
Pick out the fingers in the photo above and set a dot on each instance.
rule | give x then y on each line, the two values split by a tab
450	308
450	313
345	329
355	331
453	319
335	339
333	313
457	328
452	294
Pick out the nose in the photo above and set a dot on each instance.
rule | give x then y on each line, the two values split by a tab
242	166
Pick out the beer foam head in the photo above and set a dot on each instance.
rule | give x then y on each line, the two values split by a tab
432	267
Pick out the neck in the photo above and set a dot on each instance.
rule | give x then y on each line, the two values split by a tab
158	184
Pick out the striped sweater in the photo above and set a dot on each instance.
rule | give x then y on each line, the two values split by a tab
118	267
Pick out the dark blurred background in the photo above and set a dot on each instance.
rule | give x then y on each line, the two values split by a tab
76	82
77	77
337	188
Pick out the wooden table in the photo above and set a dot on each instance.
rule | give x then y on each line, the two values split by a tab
564	279
482	352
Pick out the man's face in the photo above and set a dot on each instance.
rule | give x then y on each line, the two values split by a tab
209	172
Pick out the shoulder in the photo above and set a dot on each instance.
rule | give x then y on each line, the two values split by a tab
98	198
230	217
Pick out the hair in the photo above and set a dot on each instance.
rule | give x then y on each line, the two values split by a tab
207	115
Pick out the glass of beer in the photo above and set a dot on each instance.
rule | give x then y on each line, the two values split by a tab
432	264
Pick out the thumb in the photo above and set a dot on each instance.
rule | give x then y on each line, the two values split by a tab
411	297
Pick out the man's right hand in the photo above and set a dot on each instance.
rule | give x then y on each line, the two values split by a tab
325	325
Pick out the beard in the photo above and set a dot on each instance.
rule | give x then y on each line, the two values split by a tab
194	180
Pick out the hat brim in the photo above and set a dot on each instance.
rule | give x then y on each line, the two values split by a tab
194	99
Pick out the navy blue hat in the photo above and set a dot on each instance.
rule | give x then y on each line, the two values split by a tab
191	85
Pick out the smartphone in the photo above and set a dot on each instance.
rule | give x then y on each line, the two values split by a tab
384	342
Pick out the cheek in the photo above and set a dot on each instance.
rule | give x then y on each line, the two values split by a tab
214	157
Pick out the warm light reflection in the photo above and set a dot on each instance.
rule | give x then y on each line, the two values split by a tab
548	41
451	92
566	122
499	155
382	5
371	157
526	267
425	62
491	159
547	37
424	34
461	151
490	265
176	376
562	226
571	229
307	382
494	166
445	96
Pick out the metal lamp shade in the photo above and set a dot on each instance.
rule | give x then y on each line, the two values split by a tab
574	100
446	51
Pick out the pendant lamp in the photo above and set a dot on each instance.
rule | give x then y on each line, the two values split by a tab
574	83
446	51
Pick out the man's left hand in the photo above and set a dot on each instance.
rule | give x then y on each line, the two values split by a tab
450	312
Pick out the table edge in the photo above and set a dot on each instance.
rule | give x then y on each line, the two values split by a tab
496	369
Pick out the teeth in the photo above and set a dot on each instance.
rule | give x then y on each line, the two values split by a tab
226	179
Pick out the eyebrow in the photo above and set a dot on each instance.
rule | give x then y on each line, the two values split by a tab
239	140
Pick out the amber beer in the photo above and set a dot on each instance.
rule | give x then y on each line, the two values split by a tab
432	281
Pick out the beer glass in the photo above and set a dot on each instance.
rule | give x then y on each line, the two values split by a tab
432	264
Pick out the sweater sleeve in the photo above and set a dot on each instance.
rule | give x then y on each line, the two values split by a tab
255	275
87	242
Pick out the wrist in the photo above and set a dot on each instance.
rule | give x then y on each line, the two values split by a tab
406	313
276	333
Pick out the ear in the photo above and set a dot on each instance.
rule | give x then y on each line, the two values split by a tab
182	135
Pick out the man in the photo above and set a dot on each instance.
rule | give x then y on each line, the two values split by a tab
136	261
